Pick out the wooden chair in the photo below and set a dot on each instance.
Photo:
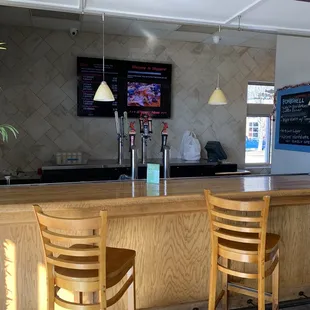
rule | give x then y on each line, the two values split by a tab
238	233
83	263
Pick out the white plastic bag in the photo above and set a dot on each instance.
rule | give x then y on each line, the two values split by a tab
190	147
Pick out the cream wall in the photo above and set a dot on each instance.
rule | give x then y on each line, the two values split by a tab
38	80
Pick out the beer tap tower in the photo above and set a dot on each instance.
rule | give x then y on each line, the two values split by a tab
146	131
165	149
132	135
133	151
164	136
121	124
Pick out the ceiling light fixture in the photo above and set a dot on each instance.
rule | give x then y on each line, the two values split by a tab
217	97
103	92
217	37
239	25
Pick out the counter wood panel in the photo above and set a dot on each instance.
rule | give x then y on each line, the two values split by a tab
170	234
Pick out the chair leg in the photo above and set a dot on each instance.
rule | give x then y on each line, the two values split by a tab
132	289
261	294
225	285
134	286
213	279
77	297
103	299
275	286
261	285
50	288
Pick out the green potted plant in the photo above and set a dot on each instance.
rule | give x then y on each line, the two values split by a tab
6	129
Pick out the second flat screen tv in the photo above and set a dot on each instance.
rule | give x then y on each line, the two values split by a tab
137	87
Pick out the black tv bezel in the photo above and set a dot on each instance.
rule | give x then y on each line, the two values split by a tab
122	106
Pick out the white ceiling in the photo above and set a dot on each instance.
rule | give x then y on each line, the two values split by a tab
214	11
132	27
290	16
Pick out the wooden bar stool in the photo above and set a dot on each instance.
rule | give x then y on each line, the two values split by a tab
238	233
83	264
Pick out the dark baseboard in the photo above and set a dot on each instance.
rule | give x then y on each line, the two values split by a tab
284	304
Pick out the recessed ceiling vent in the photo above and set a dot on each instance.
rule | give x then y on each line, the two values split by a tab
304	1
198	28
55	15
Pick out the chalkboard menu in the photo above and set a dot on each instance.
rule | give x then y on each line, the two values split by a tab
136	86
293	119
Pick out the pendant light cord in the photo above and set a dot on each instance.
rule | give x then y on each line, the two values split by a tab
103	47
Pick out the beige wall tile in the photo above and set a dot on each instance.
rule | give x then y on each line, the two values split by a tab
38	81
43	71
36	126
27	102
68	141
59	41
52	95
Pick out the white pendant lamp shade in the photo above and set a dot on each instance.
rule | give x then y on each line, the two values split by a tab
217	97
104	93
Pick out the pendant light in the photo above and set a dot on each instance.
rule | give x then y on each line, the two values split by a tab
217	97
103	92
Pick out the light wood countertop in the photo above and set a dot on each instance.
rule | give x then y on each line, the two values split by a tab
294	188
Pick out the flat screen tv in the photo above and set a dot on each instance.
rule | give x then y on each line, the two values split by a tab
137	87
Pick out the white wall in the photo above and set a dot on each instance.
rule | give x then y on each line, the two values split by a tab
292	67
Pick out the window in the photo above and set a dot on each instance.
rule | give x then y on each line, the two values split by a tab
260	93
257	139
258	124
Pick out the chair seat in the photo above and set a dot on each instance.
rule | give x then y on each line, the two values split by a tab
118	262
272	241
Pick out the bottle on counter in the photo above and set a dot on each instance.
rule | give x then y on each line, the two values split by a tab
64	158
58	158
73	158
79	158
69	156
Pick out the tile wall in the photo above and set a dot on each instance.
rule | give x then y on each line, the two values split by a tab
38	93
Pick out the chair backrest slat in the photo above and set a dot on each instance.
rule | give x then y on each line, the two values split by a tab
236	228
75	252
226	216
55	237
69	223
66	263
236	205
227	236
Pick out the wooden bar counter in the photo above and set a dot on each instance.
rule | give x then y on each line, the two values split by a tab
166	224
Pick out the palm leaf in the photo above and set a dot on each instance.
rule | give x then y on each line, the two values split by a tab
13	130
4	134
2	47
4	129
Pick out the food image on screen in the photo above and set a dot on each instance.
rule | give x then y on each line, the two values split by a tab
143	95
